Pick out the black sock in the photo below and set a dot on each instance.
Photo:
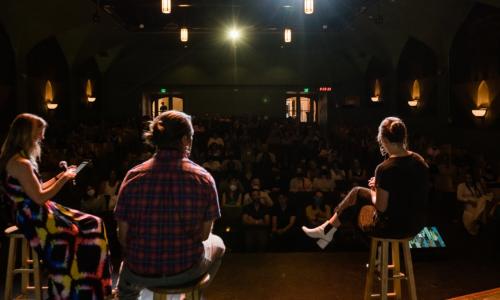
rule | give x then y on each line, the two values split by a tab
327	228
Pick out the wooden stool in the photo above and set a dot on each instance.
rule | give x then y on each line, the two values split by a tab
383	273
28	265
191	289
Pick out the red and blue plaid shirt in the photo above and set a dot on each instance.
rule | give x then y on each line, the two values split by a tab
165	201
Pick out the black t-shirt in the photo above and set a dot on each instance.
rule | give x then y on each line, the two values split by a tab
406	179
283	216
257	214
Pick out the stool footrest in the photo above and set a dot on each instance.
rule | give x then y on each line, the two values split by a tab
20	271
400	275
388	295
32	288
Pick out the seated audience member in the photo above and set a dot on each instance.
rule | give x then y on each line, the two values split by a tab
356	174
263	194
475	197
318	212
324	183
109	190
215	139
283	217
91	203
300	183
162	244
394	205
264	163
337	173
231	203
256	222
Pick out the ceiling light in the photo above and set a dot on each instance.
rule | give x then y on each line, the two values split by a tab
184	5
166	6
184	34
308	6
288	35
234	34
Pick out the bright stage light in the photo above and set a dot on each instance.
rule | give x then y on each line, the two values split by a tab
234	34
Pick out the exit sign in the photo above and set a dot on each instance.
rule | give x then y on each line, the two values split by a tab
325	89
163	90
306	90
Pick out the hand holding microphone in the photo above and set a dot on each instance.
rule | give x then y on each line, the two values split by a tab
69	172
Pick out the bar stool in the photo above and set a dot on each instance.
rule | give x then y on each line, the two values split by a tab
396	274
29	265
191	289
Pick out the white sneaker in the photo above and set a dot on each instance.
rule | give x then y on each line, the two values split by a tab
322	243
319	232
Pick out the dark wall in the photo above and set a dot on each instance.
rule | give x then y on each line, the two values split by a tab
46	61
474	57
7	80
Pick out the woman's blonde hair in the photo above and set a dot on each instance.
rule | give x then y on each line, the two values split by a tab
20	139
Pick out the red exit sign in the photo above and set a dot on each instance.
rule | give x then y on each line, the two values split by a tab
325	89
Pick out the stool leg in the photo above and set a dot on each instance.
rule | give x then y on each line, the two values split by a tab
25	277
371	270
36	275
9	279
385	271
409	271
396	270
196	294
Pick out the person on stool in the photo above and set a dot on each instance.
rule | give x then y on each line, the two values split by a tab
394	204
165	211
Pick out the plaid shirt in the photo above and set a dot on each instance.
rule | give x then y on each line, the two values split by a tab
164	201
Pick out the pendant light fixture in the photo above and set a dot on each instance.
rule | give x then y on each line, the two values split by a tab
288	35
166	6
184	34
308	6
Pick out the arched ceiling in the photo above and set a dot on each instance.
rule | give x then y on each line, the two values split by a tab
356	31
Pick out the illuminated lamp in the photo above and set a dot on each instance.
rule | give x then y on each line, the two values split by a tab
184	34
480	112
308	6
166	6
288	35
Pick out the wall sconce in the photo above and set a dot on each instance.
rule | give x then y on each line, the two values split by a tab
480	112
88	91
415	94
413	103
308	7
376	91
52	105
49	96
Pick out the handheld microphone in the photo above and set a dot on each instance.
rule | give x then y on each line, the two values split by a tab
63	164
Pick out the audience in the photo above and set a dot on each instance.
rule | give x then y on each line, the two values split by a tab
254	153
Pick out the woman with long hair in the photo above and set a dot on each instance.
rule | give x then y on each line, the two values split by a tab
394	204
72	244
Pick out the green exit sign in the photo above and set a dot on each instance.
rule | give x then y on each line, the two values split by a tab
163	90
306	90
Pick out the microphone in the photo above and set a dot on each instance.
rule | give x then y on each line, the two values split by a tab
64	165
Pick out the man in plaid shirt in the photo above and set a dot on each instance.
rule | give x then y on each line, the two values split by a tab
165	212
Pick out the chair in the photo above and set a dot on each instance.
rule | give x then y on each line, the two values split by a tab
383	272
191	289
29	265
